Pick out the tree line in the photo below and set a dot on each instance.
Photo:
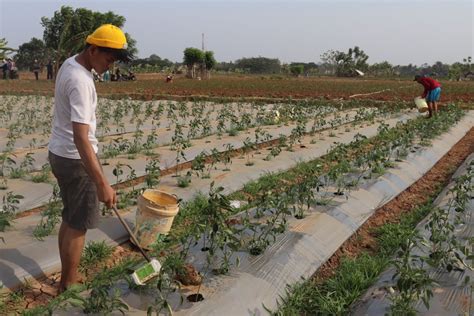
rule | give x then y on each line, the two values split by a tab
65	32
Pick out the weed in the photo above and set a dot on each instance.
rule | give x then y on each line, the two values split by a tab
50	217
94	253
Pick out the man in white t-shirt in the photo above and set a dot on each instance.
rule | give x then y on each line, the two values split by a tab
73	145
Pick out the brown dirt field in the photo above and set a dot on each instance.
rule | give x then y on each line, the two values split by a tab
153	86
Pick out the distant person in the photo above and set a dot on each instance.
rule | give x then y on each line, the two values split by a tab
107	75
36	69
131	75
12	70
49	70
118	75
9	68
4	69
431	93
169	78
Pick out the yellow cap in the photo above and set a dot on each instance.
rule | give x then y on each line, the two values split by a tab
108	35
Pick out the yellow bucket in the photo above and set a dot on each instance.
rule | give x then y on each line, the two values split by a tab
421	104
155	215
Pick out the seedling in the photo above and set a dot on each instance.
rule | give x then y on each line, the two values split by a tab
227	156
49	217
152	170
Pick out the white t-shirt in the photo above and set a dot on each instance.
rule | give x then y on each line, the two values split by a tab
75	100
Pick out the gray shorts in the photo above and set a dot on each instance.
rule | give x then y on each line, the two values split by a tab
78	192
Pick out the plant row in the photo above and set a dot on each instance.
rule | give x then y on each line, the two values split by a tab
209	224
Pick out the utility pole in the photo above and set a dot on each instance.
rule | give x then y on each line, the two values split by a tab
203	67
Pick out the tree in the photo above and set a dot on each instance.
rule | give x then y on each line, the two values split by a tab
192	57
329	60
259	65
153	63
347	63
381	69
28	52
210	62
458	70
439	69
406	70
225	66
455	71
296	70
66	31
4	49
467	66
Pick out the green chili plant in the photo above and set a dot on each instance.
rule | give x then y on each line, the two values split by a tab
148	110
212	160
100	300
265	234
446	250
336	175
183	110
206	126
303	196
247	149
157	113
10	201
151	142
199	163
117	115
297	133
412	281
7	165
184	181
136	145
172	265
261	203
9	208
171	114
51	216
152	172
226	156
179	144
194	126
245	122
222	237
14	133
24	168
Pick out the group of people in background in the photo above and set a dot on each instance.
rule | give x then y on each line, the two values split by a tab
115	76
9	69
37	69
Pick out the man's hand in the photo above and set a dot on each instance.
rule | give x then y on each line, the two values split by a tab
107	195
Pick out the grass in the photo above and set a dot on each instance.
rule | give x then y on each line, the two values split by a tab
95	252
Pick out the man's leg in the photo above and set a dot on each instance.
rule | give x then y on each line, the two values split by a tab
435	106
71	244
430	109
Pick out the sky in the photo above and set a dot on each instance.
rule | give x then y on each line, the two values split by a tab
400	32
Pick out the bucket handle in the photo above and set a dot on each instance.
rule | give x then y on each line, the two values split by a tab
177	198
